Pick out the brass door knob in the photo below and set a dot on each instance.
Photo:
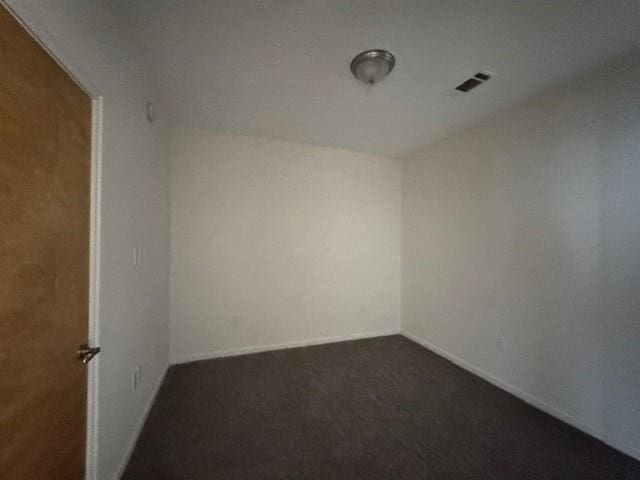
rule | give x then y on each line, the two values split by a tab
86	353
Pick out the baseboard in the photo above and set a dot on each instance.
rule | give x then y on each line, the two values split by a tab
138	430
194	357
524	396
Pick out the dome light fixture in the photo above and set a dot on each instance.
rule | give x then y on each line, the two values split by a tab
371	66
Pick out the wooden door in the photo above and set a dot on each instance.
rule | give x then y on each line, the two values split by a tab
45	153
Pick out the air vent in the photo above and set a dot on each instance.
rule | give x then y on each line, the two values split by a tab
473	82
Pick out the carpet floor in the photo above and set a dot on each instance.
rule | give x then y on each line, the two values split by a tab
381	408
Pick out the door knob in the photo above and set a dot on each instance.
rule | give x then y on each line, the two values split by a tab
86	353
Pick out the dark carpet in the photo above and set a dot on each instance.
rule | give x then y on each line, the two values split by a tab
382	408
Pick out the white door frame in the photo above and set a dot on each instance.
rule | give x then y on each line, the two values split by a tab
34	25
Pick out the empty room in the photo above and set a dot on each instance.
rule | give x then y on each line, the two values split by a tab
295	239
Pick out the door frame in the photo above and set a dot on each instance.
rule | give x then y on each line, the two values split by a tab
32	22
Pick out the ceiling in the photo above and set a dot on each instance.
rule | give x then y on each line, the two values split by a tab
280	68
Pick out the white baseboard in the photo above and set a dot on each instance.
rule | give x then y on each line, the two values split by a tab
138	430
194	357
526	397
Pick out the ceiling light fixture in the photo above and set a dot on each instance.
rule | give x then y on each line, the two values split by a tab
372	66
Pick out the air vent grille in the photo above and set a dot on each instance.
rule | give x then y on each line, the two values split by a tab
473	82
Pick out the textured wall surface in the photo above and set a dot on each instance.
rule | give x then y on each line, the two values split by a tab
521	250
276	242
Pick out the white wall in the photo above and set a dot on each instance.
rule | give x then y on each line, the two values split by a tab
521	250
133	325
274	242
